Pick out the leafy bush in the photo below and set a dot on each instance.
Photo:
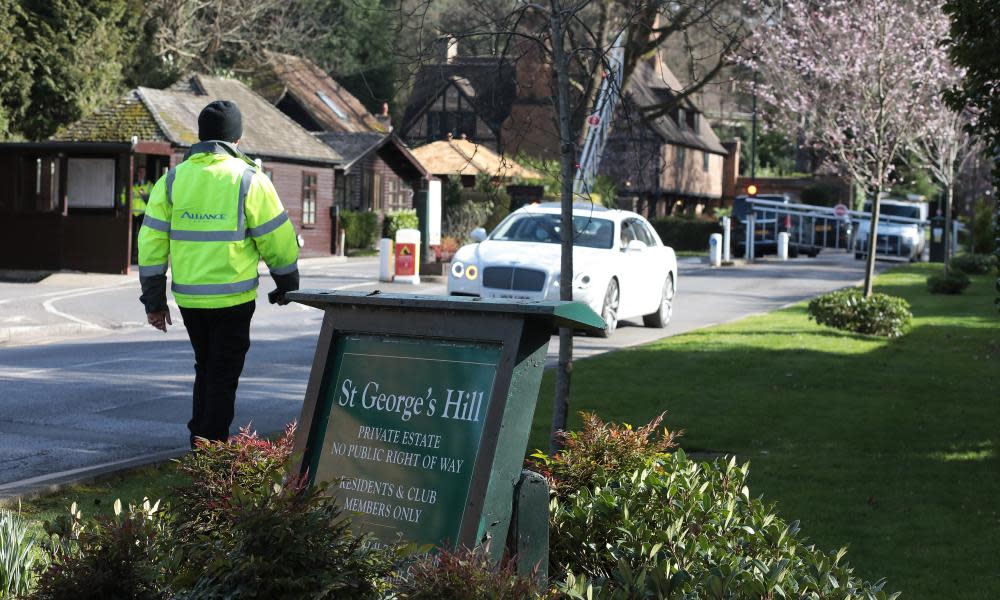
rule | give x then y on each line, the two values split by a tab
402	219
361	228
954	282
18	556
466	574
681	529
974	264
879	314
104	557
981	227
221	472
683	233
286	542
462	210
243	529
601	449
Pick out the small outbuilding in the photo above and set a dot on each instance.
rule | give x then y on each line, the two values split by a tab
68	202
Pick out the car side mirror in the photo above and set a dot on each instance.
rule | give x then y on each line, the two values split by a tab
636	246
478	235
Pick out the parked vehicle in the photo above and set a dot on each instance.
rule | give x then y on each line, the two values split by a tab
621	268
901	231
769	223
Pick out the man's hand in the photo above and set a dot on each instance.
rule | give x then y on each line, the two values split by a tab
160	319
277	297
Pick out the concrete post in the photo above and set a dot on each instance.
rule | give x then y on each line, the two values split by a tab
726	226
386	260
783	245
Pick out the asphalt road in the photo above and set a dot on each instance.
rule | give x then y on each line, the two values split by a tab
115	391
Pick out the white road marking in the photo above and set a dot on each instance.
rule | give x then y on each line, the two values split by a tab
49	306
20	374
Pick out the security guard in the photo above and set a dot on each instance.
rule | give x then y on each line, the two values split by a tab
212	218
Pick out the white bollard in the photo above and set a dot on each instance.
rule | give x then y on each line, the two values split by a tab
783	245
386	260
726	226
715	249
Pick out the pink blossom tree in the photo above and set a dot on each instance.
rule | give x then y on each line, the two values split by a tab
943	146
853	77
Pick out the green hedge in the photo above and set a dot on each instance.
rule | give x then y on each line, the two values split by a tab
394	221
850	310
682	233
954	282
974	264
361	228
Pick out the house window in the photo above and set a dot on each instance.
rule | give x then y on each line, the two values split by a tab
440	124
680	157
340	191
308	199
704	161
392	193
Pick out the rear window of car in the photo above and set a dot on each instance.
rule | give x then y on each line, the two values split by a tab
546	228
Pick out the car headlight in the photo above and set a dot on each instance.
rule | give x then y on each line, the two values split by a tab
460	270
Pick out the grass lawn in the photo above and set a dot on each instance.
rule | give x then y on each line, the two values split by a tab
887	447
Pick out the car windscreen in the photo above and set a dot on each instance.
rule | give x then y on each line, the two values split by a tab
546	228
896	210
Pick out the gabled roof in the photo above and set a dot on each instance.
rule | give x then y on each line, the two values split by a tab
490	83
352	146
326	101
118	122
267	132
462	157
171	115
652	83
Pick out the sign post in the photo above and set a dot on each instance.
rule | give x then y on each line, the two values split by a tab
420	407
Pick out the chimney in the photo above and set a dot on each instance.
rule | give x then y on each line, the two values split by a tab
446	49
384	118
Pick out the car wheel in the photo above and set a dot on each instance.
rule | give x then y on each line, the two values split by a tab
662	316
858	256
612	299
793	253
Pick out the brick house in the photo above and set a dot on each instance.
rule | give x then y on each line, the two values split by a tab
378	172
661	164
67	202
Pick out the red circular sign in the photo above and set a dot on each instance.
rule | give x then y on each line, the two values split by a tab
840	210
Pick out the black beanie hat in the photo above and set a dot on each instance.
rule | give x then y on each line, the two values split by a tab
220	120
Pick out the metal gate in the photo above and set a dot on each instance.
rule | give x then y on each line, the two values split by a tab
813	228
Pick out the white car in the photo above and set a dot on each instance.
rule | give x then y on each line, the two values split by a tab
621	268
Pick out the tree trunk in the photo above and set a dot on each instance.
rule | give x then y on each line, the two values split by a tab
872	238
949	197
567	158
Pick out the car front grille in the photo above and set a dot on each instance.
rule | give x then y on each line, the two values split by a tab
514	278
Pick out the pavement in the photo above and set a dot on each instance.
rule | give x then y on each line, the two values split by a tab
88	388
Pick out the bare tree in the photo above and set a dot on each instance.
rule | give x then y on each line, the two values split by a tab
213	35
943	147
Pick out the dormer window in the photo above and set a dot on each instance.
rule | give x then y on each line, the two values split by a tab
332	106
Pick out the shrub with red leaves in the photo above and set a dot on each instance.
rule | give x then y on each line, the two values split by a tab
602	450
465	574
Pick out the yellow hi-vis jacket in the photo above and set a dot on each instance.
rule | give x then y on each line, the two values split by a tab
213	217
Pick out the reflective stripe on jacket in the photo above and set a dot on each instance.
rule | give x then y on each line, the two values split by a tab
212	218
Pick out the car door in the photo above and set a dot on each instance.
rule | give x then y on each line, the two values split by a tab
654	267
635	269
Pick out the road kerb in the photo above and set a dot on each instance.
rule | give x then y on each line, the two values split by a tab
53	482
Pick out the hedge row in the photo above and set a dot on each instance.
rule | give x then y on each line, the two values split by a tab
683	233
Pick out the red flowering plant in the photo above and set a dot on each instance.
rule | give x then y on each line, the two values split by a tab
602	450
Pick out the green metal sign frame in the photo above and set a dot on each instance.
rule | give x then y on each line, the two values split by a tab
420	408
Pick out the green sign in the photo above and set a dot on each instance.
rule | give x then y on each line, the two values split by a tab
405	421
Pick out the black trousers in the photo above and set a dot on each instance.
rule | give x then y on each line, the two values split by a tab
220	338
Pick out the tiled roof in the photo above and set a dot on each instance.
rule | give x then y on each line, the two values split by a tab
119	122
462	157
652	83
329	103
267	132
352	146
